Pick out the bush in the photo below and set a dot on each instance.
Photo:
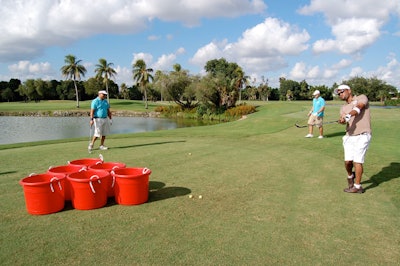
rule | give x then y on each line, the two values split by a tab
206	112
392	102
240	111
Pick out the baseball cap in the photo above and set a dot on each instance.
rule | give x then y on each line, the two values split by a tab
316	92
103	92
341	87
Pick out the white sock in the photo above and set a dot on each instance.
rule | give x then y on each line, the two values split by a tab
350	176
357	186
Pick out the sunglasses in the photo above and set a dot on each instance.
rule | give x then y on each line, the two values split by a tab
340	92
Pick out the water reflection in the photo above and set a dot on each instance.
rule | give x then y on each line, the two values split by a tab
16	129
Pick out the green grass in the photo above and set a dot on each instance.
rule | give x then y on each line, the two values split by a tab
71	105
270	197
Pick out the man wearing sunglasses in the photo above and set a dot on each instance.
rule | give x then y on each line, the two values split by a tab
355	114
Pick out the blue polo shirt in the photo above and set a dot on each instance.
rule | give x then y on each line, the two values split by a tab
100	108
317	105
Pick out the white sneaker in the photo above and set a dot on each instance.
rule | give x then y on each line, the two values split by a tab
321	137
309	136
103	148
90	147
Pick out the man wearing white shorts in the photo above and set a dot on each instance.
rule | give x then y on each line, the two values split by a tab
355	114
99	116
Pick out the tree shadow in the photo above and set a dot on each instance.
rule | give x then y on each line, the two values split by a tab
147	144
158	191
387	173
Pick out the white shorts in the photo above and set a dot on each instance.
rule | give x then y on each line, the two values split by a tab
101	127
355	147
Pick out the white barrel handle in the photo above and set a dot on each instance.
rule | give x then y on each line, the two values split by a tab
90	182
51	184
113	182
82	169
31	174
145	170
101	157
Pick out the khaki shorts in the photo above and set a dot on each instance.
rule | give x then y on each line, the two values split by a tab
101	127
314	120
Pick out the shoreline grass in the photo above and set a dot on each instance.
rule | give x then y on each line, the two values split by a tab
270	196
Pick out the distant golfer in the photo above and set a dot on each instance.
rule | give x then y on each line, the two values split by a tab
316	115
356	115
100	116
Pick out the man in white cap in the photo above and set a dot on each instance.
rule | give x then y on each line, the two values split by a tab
100	116
355	114
316	115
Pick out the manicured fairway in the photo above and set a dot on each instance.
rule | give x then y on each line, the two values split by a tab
270	197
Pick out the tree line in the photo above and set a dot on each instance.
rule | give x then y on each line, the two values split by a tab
224	85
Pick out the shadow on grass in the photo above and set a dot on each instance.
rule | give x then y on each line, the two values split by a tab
147	144
335	134
387	173
158	191
9	172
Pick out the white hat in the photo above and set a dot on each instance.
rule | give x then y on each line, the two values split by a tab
316	92
341	87
103	92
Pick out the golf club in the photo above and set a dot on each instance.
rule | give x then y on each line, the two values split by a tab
325	123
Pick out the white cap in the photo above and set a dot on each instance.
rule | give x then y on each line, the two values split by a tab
341	87
103	92
316	92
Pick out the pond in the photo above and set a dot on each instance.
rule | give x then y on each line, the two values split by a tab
17	129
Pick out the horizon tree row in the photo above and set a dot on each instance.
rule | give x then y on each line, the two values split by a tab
224	85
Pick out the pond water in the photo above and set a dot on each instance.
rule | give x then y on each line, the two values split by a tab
16	129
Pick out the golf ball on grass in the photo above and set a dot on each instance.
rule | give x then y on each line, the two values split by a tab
200	196
190	196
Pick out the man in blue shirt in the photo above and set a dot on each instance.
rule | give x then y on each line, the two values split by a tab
316	115
99	114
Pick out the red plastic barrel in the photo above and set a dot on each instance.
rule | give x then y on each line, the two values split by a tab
44	193
86	161
109	166
89	189
66	170
131	185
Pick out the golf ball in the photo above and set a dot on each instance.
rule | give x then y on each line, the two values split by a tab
190	153
190	196
200	197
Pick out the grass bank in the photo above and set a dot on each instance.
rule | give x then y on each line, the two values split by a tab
270	196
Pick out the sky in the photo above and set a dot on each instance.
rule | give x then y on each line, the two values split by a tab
319	41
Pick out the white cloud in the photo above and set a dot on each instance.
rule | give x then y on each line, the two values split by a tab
352	35
148	58
28	68
354	27
31	26
336	10
165	62
124	75
153	38
259	49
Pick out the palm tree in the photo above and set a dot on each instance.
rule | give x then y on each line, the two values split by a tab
142	76
240	80
105	69
73	70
